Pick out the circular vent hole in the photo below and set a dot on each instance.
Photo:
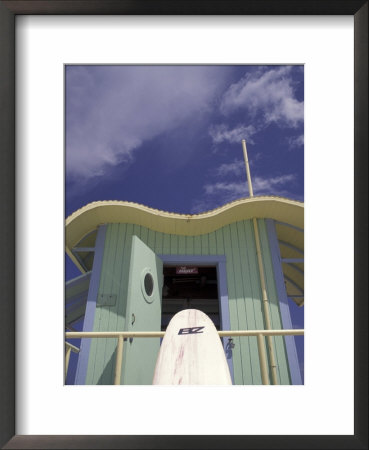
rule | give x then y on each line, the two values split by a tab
149	284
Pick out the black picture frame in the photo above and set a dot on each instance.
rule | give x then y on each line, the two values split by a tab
8	12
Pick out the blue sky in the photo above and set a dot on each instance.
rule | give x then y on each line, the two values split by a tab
169	137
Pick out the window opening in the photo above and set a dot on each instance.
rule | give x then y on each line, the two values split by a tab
190	288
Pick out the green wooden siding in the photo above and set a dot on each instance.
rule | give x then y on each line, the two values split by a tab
235	241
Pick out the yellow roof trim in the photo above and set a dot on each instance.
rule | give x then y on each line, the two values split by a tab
89	217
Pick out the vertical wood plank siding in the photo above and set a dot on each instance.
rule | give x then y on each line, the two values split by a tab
235	241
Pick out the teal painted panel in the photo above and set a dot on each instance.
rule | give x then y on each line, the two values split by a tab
276	320
181	245
253	296
255	289
173	244
109	286
159	243
237	243
151	239
248	306
166	244
114	278
212	243
197	245
190	245
219	241
233	312
205	244
144	235
97	350
143	314
239	292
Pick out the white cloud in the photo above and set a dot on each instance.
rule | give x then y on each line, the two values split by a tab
235	168
296	141
112	110
260	185
220	193
229	189
272	186
200	206
221	133
270	93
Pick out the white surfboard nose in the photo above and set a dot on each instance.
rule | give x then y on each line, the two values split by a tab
191	352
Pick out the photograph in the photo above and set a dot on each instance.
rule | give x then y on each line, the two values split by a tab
176	178
184	224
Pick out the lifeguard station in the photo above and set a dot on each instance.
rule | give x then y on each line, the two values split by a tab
239	264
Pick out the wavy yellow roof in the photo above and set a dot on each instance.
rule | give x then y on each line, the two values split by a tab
88	218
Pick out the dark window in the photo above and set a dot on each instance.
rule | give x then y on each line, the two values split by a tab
195	291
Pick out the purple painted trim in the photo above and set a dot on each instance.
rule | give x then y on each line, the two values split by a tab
292	260
83	249
283	302
220	263
78	258
293	284
294	267
77	280
71	301
288	225
87	235
298	250
88	323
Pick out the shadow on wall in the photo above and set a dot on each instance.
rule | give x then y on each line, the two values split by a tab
107	376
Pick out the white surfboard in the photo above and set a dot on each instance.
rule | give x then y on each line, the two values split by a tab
191	352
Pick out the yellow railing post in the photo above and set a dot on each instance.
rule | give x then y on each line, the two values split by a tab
263	359
67	357
68	349
118	360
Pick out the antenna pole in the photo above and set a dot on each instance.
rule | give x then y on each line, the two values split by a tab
248	176
265	301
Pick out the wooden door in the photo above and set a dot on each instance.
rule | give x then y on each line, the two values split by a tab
143	313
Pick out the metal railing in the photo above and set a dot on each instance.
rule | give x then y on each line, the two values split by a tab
121	335
68	349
